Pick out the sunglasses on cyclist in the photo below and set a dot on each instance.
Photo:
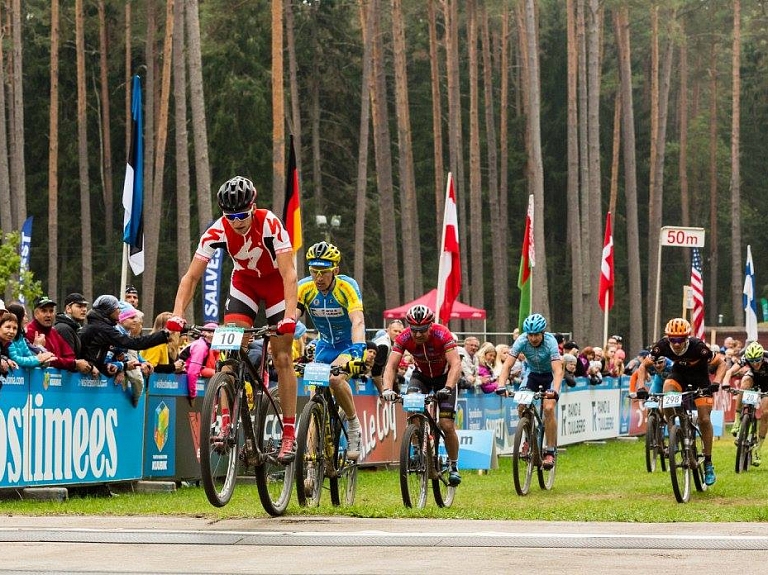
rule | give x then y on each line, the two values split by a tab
755	361
239	216
421	329
677	340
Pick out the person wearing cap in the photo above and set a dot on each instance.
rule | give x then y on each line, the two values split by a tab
264	272
99	335
42	324
69	322
131	296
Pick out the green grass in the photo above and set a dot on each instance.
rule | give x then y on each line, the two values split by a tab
605	482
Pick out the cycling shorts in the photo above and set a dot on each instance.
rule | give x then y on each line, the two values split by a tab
327	352
536	381
423	384
247	290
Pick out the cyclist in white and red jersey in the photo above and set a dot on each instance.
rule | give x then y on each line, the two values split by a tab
264	271
438	368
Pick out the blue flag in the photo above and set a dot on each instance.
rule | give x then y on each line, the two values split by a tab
133	189
750	305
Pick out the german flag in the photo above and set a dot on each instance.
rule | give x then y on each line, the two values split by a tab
292	209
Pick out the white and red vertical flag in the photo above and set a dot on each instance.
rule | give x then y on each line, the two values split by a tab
606	268
697	290
449	271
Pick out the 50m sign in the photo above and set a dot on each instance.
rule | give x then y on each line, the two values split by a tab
682	237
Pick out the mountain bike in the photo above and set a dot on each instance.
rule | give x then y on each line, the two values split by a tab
423	456
321	443
747	440
242	424
655	444
686	445
530	443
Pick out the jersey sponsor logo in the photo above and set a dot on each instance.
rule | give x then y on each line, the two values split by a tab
326	312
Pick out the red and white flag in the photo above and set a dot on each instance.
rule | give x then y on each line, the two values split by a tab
606	268
449	271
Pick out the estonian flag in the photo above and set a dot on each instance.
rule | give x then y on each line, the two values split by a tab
133	189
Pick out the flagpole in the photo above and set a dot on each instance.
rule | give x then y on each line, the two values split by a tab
605	316
123	271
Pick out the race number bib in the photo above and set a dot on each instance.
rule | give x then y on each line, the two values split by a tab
413	402
227	338
750	397
673	399
317	374
524	397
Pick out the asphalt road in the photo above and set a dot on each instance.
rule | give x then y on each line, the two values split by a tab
319	545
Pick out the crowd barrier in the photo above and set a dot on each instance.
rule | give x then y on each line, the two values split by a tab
60	428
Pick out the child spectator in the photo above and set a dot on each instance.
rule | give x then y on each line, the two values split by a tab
201	361
569	364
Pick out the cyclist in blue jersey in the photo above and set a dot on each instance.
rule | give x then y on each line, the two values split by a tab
334	303
658	371
545	369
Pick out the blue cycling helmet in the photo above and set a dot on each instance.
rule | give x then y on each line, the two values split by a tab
535	323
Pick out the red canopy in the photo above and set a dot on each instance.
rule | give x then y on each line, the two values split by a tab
460	310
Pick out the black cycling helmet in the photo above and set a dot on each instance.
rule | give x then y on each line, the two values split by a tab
236	195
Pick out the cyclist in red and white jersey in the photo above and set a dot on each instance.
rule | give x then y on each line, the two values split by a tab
438	368
264	271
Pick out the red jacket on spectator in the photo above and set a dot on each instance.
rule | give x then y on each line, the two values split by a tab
55	343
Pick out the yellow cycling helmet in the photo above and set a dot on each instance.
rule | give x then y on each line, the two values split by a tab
323	255
678	327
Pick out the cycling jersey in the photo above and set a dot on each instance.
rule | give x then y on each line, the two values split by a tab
254	253
330	311
539	357
759	376
429	357
691	367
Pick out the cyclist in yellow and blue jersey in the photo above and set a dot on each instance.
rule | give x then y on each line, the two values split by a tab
335	304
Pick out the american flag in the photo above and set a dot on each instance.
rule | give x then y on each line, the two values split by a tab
697	287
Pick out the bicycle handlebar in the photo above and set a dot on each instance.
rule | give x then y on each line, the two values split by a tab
257	332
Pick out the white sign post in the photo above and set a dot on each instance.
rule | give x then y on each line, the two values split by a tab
675	236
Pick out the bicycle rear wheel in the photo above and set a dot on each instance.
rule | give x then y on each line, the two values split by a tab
413	466
652	450
441	467
273	479
522	456
743	445
310	455
219	447
344	479
679	471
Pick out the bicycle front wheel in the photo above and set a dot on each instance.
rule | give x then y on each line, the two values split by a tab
413	466
310	455
273	479
679	471
522	456
442	490
743	445
344	479
219	441
651	446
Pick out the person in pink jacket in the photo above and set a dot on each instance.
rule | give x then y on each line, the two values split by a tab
201	361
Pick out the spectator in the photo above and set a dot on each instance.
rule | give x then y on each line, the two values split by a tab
384	341
19	350
201	361
560	339
44	314
9	325
468	360
609	365
69	322
131	296
135	367
569	369
486	359
502	351
164	357
99	335
583	361
571	347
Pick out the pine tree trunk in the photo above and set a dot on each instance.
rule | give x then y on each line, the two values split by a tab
278	110
82	155
53	157
437	116
735	200
106	129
